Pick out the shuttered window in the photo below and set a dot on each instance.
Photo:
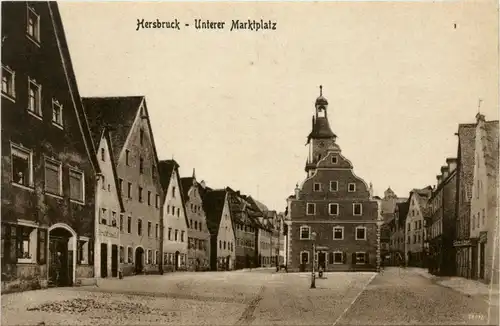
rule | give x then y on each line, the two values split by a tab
53	177
76	185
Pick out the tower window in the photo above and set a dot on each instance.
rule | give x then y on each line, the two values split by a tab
317	187
352	187
334	159
103	155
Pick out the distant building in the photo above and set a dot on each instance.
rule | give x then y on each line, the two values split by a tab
415	229
136	160
387	212
484	204
441	221
465	173
198	233
222	234
49	164
398	233
333	203
175	232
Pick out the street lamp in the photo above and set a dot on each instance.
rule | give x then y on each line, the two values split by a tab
313	274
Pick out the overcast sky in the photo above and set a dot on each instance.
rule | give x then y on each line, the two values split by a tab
237	106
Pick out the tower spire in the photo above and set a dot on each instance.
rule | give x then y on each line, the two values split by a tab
479	106
320	90
194	174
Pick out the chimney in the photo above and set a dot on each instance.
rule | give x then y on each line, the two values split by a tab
444	171
452	164
297	191
439	178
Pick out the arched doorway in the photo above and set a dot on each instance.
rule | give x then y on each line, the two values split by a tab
176	260
62	259
139	260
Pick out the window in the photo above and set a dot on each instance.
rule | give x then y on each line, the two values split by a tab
351	187
360	258
338	257
129	224
103	216
169	233
113	219
176	235
57	113
141	165
178	212
334	185
103	182
317	187
76	185
82	254
157	230
305	233
122	254
157	201
153	172
149	198
360	233
129	255
224	246
182	236
127	157
121	222
338	233
53	177
129	190
141	136
173	192
483	217
196	225
409	227
21	166
34	96
150	256
8	82
333	209
33	27
139	226
140	194
357	209
149	229
304	257
311	208
334	159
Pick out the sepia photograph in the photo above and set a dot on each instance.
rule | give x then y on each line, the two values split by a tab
250	163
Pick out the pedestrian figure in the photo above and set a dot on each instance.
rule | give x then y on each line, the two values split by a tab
57	264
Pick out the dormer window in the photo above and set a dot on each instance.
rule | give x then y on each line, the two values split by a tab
334	159
351	187
317	187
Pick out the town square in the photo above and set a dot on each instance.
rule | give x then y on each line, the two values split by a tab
340	173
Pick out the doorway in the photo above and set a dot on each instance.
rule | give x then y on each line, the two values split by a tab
60	258
139	257
114	261
177	260
481	261
322	260
474	262
104	260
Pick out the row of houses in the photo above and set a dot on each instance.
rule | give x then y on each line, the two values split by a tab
84	194
452	227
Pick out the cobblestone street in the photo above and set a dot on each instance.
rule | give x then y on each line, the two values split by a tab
258	297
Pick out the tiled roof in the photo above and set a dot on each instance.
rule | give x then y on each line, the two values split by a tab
117	114
403	211
165	168
186	184
320	129
213	205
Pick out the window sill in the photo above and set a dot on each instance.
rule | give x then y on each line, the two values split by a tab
360	264
77	202
338	239
53	195
60	126
32	39
36	115
338	263
360	239
22	186
9	97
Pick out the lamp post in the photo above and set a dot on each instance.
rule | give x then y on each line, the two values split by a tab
313	274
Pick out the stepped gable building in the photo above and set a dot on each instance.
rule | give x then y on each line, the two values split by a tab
198	233
136	160
333	203
440	224
465	173
415	226
387	212
484	221
48	157
222	234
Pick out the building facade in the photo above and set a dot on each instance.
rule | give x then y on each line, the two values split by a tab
387	212
415	228
136	160
484	202
335	205
219	222
198	233
175	232
465	176
48	161
398	234
440	224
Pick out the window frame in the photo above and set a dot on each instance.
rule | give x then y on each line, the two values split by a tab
35	38
349	187
139	227
364	258
308	257
336	183
333	205
37	111
354	209
21	152
59	176
356	233
333	232
309	232
10	81
78	171
314	208
334	159
319	187
56	104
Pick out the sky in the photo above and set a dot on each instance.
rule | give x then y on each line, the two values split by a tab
237	105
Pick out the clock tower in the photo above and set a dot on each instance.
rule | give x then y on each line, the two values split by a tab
321	140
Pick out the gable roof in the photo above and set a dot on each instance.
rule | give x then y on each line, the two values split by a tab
466	148
166	168
117	114
213	205
106	135
72	84
403	209
186	184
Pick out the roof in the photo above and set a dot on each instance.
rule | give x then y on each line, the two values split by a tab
166	168
115	173
403	209
186	184
213	205
320	129
491	147
117	114
75	94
